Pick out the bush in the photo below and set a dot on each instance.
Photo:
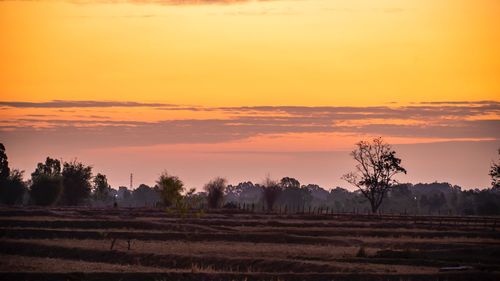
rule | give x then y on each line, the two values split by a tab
361	252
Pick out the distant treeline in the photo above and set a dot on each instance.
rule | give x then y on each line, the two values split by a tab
53	183
423	198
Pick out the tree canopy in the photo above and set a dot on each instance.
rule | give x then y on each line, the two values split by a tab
76	183
46	182
170	189
101	189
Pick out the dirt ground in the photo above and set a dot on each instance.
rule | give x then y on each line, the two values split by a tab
150	244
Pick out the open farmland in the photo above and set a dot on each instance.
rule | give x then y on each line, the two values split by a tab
149	244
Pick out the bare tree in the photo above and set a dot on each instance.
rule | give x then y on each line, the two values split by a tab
215	189
271	192
376	167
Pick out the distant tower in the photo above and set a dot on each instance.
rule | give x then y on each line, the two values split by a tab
131	180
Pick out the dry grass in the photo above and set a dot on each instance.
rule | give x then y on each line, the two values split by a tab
319	254
325	245
13	263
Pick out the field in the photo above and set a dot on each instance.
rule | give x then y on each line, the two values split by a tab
149	244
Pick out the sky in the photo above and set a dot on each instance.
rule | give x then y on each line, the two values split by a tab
242	89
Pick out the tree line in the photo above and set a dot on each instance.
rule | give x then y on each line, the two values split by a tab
72	183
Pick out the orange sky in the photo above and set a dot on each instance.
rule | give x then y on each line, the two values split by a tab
193	70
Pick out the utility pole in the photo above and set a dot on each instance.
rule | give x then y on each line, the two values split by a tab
131	180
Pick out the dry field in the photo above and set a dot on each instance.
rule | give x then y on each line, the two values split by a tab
147	244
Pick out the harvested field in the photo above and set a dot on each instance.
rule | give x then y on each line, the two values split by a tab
149	244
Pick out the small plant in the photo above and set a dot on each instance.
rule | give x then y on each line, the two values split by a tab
361	253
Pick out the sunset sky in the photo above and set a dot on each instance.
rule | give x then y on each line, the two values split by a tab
240	89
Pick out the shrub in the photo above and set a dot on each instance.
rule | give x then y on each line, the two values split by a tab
361	252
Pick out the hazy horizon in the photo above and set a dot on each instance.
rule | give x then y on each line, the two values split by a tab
240	89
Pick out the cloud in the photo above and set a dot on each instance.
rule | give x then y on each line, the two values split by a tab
168	2
393	10
449	120
423	110
82	104
460	102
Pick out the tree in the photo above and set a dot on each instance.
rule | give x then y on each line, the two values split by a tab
194	199
76	183
215	190
271	192
288	182
376	167
46	182
170	188
293	194
13	189
144	195
495	174
101	188
123	193
4	165
12	186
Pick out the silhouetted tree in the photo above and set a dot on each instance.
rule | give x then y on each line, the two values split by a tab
376	167
288	182
12	186
4	165
495	174
101	189
123	195
170	188
13	189
46	183
144	195
244	193
215	192
488	202
316	195
437	202
271	192
340	198
194	199
292	193
76	183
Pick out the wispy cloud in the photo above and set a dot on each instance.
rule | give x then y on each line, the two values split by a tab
169	2
447	120
74	104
